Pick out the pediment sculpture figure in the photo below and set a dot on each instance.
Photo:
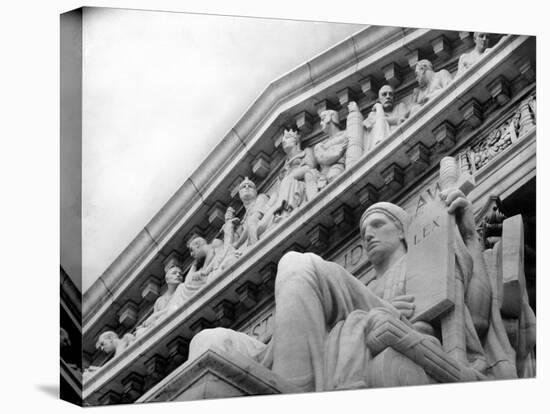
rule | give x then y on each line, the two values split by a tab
209	261
165	304
430	83
297	177
330	153
384	118
333	332
481	47
110	343
258	216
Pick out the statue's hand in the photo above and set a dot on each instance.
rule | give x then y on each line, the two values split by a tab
378	108
229	214
460	206
405	305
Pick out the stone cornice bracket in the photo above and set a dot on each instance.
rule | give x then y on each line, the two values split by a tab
268	273
419	156
392	74
132	386
442	47
393	176
472	113
525	66
344	218
248	294
128	314
225	313
150	289
445	136
196	231
178	349
367	195
323	105
304	122
500	90
261	165
466	39
369	87
110	398
216	214
345	96
413	57
200	324
318	238
156	369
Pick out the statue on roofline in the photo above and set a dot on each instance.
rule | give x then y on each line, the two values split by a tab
430	84
481	47
384	118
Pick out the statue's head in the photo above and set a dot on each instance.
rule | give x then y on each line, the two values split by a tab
197	247
173	274
481	41
383	230
291	139
327	117
423	71
247	190
107	342
386	97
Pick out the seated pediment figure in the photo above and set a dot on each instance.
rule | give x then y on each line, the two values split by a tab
258	216
110	343
297	177
467	60
333	332
330	153
165	304
209	261
430	83
384	118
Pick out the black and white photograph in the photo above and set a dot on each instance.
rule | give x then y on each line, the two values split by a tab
284	204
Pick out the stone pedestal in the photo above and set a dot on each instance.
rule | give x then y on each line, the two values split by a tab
217	374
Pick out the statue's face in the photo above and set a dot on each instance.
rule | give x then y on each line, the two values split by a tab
381	237
481	41
197	248
421	72
247	192
326	119
106	344
386	97
173	276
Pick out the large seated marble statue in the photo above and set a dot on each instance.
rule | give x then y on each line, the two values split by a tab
466	60
257	218
430	84
332	332
384	117
297	177
330	153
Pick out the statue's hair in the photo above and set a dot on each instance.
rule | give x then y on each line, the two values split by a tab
106	335
195	237
333	115
426	63
293	134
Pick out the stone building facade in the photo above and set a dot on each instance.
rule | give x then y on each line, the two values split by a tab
484	117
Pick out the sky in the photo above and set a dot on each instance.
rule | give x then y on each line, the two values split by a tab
160	90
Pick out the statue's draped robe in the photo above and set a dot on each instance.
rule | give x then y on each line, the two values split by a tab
322	320
291	190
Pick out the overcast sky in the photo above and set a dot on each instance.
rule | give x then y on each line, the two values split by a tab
159	91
